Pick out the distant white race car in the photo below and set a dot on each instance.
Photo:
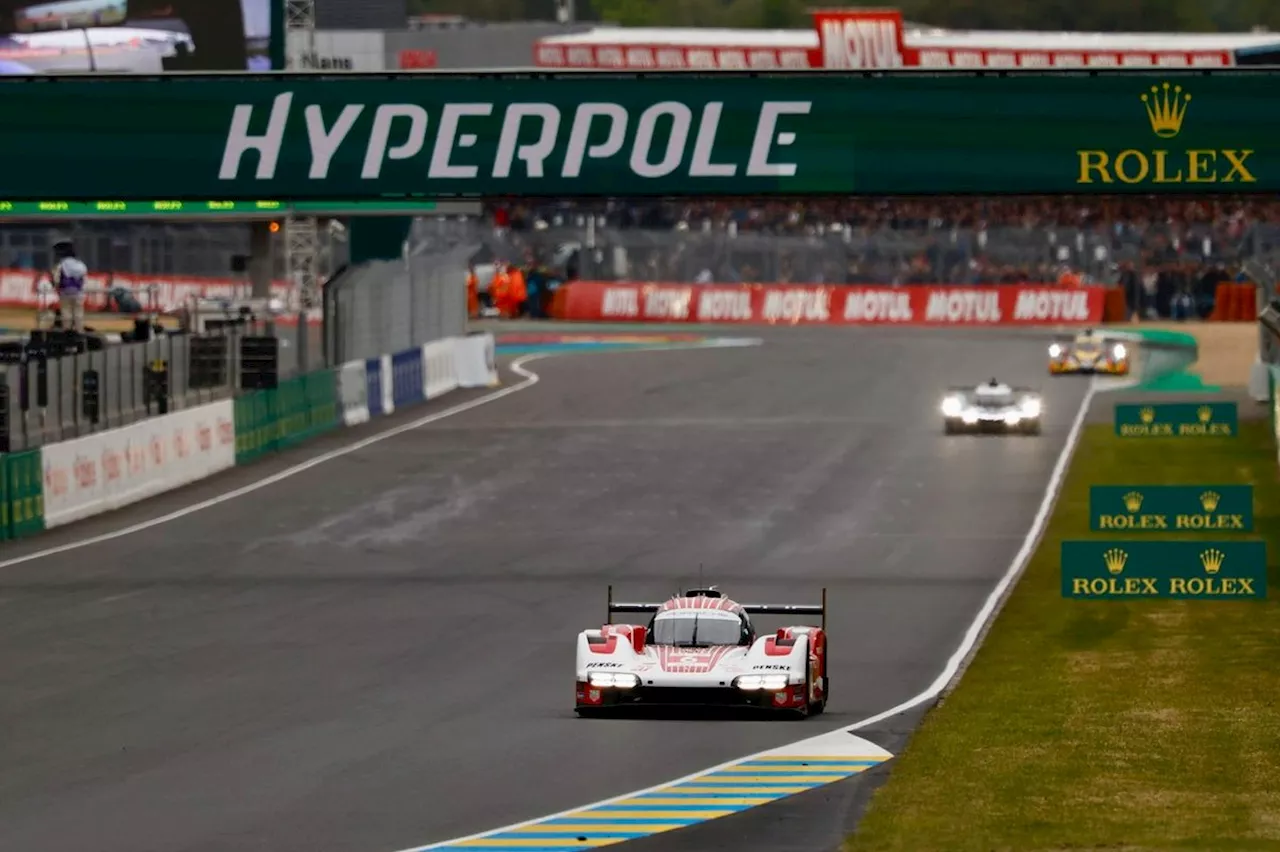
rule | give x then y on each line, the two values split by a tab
992	407
700	648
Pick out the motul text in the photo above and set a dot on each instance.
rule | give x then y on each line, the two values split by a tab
830	305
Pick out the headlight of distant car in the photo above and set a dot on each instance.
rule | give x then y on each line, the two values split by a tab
1055	351
620	680
952	406
771	682
1119	351
1031	408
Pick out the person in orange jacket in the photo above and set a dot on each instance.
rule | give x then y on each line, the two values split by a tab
518	292
500	289
473	293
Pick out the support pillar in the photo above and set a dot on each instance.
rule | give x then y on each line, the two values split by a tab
260	259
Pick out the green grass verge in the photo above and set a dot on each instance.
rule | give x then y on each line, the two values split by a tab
1152	725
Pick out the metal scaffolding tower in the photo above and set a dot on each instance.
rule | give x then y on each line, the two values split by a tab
301	236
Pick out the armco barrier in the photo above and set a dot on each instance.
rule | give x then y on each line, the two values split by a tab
23	493
107	470
996	304
353	393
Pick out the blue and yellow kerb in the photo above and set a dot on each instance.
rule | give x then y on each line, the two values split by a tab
726	791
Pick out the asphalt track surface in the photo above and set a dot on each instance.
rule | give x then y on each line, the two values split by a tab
377	652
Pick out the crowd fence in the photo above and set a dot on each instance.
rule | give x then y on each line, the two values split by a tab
395	305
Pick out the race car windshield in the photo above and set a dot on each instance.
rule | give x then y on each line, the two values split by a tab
710	631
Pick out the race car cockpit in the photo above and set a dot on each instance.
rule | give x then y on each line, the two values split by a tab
699	628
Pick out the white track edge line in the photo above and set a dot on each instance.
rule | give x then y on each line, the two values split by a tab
530	379
967	644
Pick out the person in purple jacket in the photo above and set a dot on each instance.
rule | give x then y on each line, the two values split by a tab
69	276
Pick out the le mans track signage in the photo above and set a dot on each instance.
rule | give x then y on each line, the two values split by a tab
1181	570
1171	508
359	136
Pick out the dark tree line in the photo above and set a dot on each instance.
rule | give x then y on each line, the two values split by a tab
1087	15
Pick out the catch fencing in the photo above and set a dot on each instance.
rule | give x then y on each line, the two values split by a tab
396	305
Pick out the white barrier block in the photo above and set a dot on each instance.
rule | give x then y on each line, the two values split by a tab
97	473
442	370
353	392
1260	382
388	386
475	361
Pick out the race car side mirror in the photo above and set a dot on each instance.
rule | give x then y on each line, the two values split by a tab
638	635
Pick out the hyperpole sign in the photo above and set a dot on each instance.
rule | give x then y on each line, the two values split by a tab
364	136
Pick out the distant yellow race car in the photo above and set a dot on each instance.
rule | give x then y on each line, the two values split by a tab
1088	352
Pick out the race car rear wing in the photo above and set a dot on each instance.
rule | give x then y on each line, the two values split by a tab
752	609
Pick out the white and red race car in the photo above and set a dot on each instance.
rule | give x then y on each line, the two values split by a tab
701	648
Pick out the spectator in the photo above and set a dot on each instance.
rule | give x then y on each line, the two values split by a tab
1167	253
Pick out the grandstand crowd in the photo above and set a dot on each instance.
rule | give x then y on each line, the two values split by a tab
1168	253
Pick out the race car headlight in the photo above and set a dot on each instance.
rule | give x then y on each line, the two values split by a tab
770	682
952	406
618	680
1012	418
1119	351
970	418
1055	351
1031	408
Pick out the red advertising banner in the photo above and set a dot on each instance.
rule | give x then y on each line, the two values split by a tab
856	39
796	304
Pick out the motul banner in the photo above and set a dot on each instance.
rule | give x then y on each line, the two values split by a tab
857	39
669	57
830	305
866	38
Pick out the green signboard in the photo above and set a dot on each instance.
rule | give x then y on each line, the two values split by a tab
1177	420
1219	570
1171	508
362	136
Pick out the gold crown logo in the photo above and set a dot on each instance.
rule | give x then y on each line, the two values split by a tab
1147	414
1209	500
1133	501
1166	108
1204	413
1212	560
1115	559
